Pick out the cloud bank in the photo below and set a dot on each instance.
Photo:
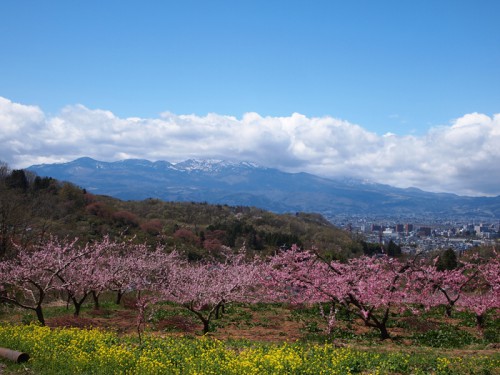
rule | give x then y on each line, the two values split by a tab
463	157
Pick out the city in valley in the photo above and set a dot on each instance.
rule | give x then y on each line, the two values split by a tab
423	234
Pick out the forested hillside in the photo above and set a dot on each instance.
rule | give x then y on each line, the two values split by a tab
33	208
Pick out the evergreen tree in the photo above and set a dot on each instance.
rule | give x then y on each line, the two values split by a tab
447	260
17	180
393	249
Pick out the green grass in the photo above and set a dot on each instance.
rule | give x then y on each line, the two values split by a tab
446	337
431	329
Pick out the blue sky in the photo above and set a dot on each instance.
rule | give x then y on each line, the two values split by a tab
402	67
397	66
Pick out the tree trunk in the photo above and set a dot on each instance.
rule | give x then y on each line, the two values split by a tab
451	302
78	304
219	310
78	307
119	296
206	326
95	297
480	321
449	310
39	315
384	334
381	324
205	321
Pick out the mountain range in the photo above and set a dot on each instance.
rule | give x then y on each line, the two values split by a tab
246	184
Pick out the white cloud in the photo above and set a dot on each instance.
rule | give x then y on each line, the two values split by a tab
463	157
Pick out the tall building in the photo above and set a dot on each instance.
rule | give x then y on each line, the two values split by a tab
408	228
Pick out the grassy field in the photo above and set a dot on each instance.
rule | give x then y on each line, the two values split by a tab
247	339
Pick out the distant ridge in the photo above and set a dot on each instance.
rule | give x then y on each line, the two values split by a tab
242	183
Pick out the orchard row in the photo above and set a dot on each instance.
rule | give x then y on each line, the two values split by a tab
372	288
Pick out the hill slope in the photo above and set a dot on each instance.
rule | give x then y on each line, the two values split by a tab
32	208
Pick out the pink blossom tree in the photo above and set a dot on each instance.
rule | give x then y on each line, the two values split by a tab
86	275
151	270
371	286
374	286
27	279
434	287
119	268
204	287
300	277
484	295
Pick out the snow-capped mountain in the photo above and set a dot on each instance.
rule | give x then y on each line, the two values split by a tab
211	165
240	183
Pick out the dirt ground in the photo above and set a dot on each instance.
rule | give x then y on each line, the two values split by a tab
274	324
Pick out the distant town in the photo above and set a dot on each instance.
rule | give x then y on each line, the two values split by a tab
423	235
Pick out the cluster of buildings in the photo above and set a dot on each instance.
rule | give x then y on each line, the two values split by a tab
482	231
420	236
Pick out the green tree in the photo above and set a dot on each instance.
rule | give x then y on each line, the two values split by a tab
393	249
371	248
447	260
17	180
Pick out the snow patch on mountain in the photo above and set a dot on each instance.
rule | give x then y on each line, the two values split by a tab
210	165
